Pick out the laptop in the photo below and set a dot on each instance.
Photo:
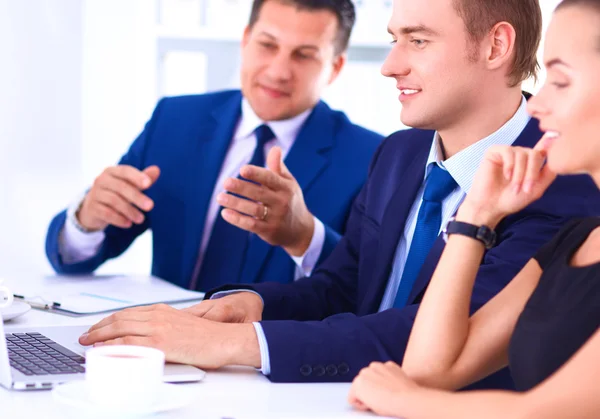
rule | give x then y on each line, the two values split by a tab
42	357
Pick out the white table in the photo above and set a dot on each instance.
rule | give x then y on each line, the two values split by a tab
236	393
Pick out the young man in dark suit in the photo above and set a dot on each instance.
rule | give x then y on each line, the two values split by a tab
173	178
459	66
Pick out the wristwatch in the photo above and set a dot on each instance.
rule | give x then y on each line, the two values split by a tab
484	234
72	215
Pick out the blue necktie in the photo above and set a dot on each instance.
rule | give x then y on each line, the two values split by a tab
439	185
224	255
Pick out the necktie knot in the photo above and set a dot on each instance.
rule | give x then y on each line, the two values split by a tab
263	134
439	185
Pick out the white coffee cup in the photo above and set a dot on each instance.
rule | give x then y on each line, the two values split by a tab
6	296
122	377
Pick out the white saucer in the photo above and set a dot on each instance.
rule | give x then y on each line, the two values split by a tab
75	394
16	309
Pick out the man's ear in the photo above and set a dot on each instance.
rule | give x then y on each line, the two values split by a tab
246	36
501	46
338	64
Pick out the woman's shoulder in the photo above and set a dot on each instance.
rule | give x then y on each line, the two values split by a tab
573	232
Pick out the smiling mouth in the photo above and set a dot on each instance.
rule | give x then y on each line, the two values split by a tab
274	92
549	138
409	92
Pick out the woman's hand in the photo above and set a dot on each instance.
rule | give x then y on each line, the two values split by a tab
381	389
509	179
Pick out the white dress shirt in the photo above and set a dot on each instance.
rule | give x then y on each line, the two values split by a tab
462	167
77	246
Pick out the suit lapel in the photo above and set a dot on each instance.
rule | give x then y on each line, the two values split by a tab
308	156
306	159
394	219
206	158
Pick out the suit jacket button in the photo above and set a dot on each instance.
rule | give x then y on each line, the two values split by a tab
306	370
319	370
343	368
332	370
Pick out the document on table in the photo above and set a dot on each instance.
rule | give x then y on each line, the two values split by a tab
80	295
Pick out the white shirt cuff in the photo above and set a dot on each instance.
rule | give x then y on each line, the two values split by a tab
309	259
265	361
75	245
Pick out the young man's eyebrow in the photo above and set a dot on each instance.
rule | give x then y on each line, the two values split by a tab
408	30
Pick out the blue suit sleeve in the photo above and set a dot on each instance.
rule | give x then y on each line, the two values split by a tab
117	240
354	342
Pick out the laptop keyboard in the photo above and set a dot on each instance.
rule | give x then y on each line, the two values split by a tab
35	354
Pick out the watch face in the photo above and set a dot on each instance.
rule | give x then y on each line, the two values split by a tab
487	236
482	233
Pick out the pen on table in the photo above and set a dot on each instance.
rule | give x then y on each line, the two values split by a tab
35	304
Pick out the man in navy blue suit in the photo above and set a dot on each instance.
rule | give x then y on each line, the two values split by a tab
459	65
174	177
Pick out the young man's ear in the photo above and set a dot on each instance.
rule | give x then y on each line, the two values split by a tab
501	45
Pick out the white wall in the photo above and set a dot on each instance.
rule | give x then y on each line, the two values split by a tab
40	124
77	84
119	92
119	78
548	7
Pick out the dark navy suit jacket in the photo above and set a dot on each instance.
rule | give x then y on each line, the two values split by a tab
188	138
332	329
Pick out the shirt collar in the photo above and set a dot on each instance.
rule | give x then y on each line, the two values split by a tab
464	164
285	131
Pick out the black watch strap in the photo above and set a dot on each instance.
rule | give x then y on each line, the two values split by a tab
484	234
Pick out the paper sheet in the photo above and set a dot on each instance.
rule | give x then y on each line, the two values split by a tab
95	294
